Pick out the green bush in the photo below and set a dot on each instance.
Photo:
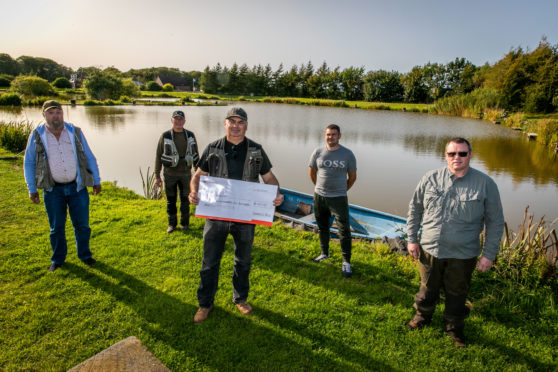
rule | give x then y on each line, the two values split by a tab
34	101
31	86
62	83
4	83
129	88
102	86
10	99
13	135
153	86
168	88
91	102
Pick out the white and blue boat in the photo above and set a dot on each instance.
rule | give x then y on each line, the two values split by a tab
365	223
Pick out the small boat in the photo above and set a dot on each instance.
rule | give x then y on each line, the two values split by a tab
365	223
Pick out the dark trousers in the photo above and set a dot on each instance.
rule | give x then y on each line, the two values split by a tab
214	237
57	203
323	209
177	186
451	274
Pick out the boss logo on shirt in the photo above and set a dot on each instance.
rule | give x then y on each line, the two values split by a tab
331	163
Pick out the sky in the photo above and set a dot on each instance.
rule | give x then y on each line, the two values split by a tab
393	35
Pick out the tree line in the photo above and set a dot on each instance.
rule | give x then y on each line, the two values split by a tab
522	80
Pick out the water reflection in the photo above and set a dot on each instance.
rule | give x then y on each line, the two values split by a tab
393	149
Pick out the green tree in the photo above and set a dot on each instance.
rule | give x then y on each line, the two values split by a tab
8	65
102	86
42	67
62	83
32	86
416	88
208	81
352	83
383	86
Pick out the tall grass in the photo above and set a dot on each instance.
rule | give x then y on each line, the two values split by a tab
14	135
149	185
529	256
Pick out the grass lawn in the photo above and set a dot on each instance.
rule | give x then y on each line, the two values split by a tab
306	315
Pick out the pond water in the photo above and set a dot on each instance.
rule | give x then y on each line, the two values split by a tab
393	149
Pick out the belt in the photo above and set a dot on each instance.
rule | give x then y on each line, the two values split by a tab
64	183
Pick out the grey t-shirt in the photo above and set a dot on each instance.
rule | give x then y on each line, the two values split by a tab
332	169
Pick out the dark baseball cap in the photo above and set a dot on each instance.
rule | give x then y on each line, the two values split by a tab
178	113
237	111
50	104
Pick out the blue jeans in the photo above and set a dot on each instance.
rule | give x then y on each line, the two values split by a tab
57	203
214	237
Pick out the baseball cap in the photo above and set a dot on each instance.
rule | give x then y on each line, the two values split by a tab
50	104
237	111
178	113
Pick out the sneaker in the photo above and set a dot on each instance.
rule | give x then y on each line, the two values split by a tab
53	267
202	314
321	257
457	337
90	261
244	308
170	229
347	273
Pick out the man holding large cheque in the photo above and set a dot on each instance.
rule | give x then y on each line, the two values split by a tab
234	157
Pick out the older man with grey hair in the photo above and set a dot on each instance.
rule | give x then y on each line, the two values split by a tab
454	205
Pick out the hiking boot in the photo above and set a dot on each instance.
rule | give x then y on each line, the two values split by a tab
457	337
244	308
416	323
53	267
90	261
170	229
347	273
202	314
321	257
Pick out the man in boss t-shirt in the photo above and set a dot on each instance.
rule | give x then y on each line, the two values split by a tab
333	171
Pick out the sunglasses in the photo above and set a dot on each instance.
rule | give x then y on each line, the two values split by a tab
461	154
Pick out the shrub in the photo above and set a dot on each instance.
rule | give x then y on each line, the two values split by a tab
152	86
32	86
13	135
10	99
125	99
129	88
168	87
91	102
4	83
186	99
102	86
62	83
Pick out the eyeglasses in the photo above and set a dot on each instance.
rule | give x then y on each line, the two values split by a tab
461	154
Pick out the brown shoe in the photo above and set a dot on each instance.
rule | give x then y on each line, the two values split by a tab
457	337
244	308
202	314
416	324
170	229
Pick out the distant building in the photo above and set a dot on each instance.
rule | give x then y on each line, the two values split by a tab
137	82
178	83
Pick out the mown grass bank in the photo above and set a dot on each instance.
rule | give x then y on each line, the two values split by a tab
306	316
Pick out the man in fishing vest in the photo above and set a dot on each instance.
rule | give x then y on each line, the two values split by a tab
453	204
177	153
59	161
235	157
333	172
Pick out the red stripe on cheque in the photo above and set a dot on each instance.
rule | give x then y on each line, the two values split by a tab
253	222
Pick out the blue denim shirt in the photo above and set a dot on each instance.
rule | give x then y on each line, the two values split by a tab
453	212
30	154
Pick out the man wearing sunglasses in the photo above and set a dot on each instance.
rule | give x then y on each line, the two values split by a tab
233	156
454	204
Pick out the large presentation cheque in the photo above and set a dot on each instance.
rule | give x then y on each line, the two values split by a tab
233	200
